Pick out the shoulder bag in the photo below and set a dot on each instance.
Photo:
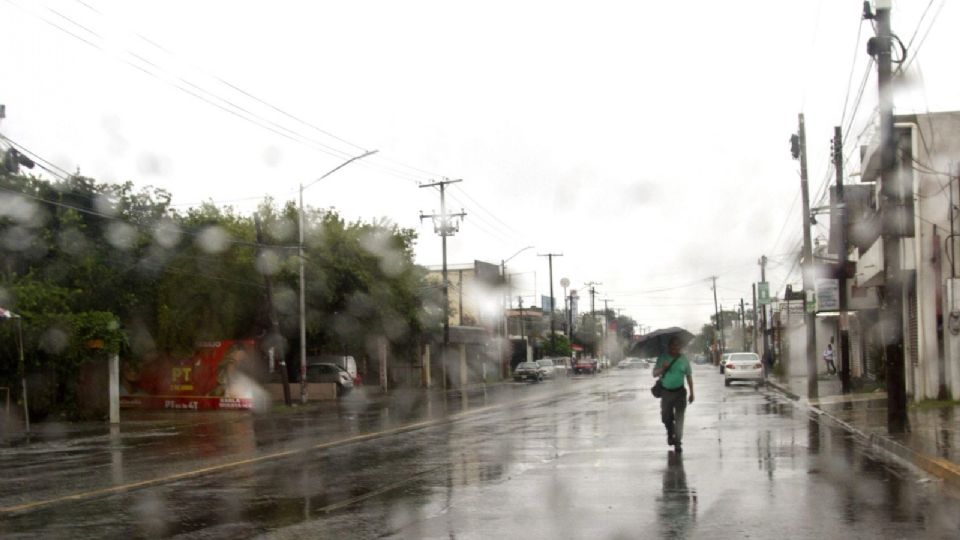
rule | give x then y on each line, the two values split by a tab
657	388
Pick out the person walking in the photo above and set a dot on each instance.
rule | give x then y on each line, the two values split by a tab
828	358
673	367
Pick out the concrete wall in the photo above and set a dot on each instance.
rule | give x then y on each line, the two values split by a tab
315	391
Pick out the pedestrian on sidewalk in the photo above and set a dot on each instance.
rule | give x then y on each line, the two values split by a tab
828	358
673	367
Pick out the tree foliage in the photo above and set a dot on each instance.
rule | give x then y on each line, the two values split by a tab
85	260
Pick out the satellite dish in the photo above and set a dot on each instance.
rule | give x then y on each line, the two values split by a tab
564	282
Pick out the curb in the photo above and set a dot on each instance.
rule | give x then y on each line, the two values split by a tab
941	468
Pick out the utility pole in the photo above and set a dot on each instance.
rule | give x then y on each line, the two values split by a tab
522	338
553	338
799	148
275	340
444	225
891	218
763	316
606	324
717	319
743	326
753	320
842	321
723	344
593	309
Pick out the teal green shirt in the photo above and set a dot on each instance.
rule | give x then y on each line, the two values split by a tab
680	368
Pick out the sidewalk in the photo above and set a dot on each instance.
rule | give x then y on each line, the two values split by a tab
932	444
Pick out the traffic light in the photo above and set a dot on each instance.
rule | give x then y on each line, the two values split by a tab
12	160
795	146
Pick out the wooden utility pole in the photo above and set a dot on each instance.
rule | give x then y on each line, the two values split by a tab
553	307
810	320
892	217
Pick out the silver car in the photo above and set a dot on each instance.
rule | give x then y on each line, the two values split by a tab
330	373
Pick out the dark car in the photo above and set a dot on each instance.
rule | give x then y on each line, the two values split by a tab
528	371
585	365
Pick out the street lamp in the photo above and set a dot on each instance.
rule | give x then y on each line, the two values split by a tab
303	302
503	266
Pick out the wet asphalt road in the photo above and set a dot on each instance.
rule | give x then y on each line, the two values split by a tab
578	458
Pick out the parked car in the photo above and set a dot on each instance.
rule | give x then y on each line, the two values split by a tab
701	359
743	367
330	373
562	365
528	371
549	367
348	363
632	362
585	365
723	361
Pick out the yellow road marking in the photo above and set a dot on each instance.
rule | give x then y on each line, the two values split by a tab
266	457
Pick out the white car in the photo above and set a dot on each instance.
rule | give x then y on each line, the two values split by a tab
743	367
550	369
633	363
562	365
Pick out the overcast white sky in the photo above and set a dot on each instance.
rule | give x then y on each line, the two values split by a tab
646	141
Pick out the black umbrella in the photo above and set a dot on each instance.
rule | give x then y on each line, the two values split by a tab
655	343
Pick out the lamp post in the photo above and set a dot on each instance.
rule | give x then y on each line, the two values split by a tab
303	302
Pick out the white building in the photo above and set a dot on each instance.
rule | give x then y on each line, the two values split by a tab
928	157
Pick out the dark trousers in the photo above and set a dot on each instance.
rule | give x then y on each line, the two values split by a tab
831	367
672	406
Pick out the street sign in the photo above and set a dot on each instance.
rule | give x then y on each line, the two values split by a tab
763	293
828	295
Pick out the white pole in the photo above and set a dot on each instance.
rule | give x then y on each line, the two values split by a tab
303	301
114	381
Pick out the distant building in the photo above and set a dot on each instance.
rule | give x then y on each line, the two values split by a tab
475	294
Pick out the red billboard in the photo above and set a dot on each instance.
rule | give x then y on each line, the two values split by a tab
219	375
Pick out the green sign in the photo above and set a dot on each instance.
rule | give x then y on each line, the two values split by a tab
763	293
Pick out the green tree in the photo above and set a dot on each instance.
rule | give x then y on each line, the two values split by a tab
560	346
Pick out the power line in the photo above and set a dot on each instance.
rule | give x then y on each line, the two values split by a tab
494	216
853	65
294	135
915	51
211	98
